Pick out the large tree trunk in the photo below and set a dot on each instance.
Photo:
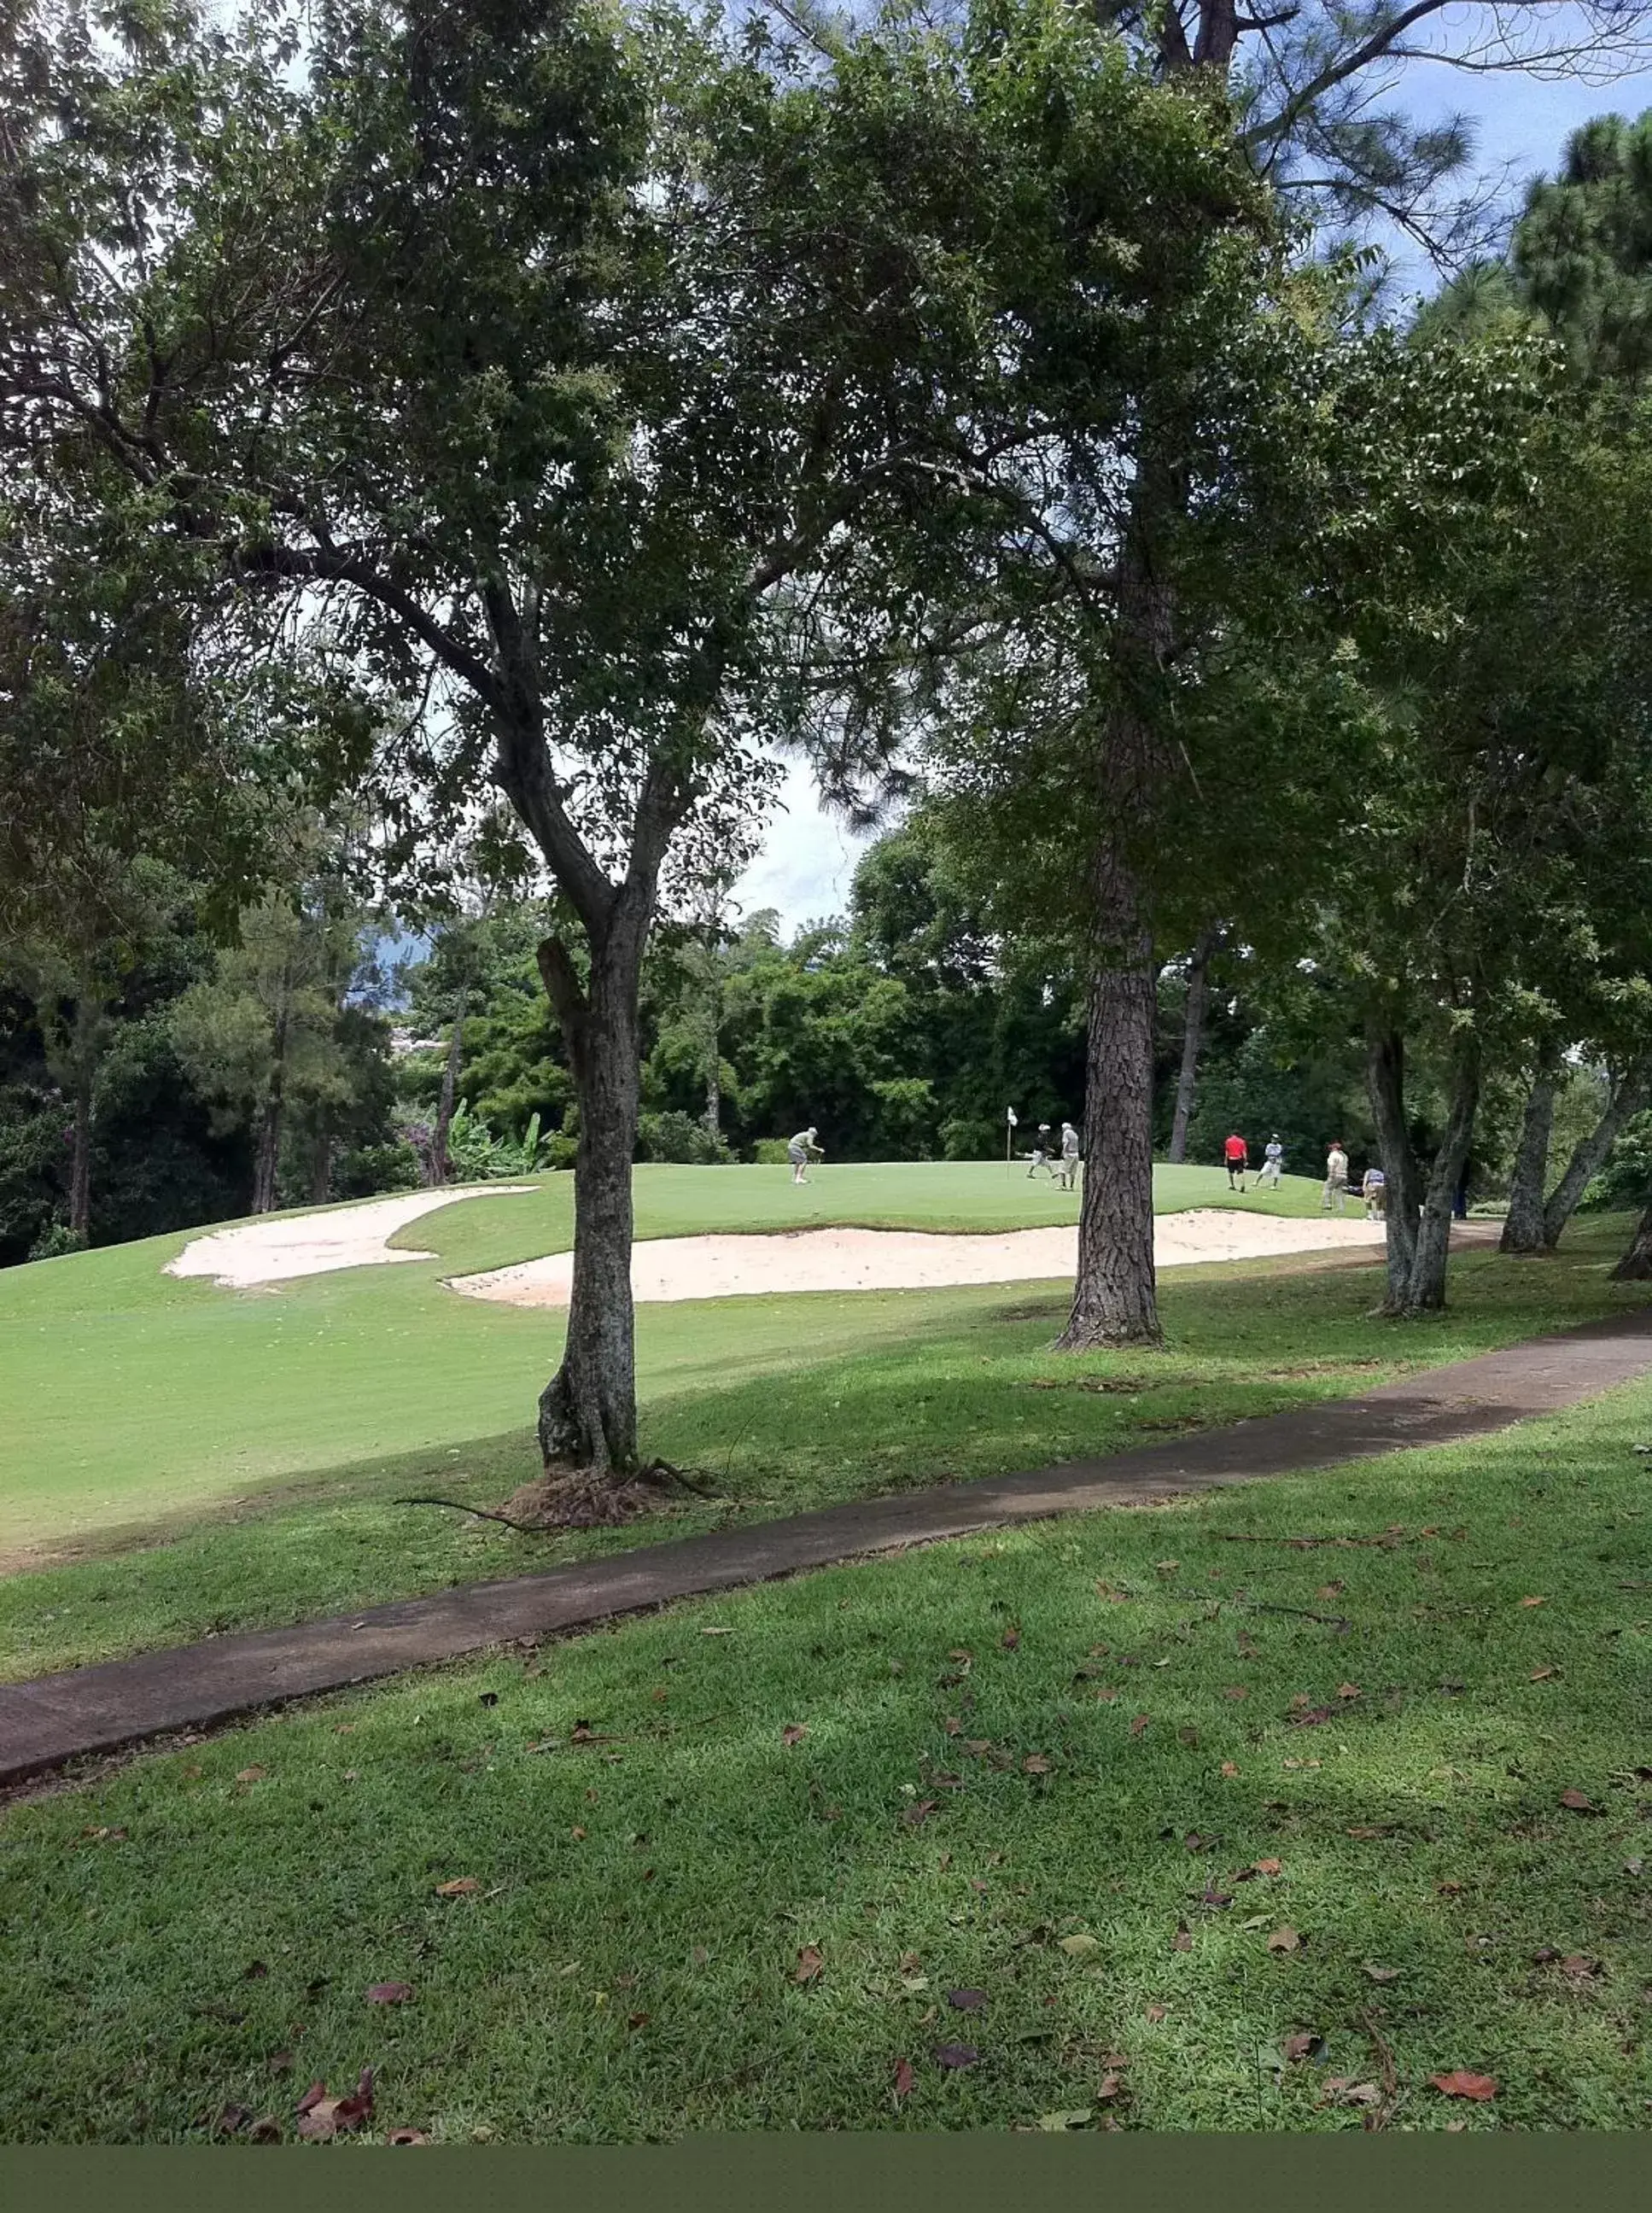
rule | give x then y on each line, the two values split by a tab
1198	981
1523	1230
1115	1296
1425	1291
1636	1266
440	1165
587	1411
1385	1084
1628	1096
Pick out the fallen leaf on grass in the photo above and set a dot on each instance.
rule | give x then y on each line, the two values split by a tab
578	1835
1235	1691
1053	2124
280	2063
1460	2084
1578	1968
320	2117
1285	1940
915	1816
1543	1674
460	1886
1575	1801
1305	2046
1342	2090
966	2001
266	2129
230	2119
1157	2012
1380	1975
1348	1690
1139	1723
1111	2086
1189	1735
1534	1601
1011	1640
1183	1940
906	2078
251	1774
793	1733
389	1993
638	2019
810	1960
716	1633
1036	1764
407	2136
1448	1889
1229	1769
1267	1867
956	2055
1080	1948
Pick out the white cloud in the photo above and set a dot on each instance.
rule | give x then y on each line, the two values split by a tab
808	858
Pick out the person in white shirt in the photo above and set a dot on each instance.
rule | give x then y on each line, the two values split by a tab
1335	1180
1069	1157
1273	1160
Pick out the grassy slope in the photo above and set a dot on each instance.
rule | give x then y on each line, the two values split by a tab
126	1395
880	1392
627	1968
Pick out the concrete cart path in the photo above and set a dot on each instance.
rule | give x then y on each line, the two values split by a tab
58	1718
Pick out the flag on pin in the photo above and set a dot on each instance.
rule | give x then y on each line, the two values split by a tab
1010	1116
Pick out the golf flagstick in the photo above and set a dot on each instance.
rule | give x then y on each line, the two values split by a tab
1009	1139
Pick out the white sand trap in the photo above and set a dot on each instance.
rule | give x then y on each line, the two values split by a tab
670	1268
282	1245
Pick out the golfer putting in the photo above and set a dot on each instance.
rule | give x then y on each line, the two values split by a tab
798	1148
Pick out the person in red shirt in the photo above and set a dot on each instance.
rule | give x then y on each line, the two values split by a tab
1238	1159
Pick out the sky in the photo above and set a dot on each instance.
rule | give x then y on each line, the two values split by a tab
808	857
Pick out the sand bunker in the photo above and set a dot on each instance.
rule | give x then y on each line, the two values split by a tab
670	1268
284	1246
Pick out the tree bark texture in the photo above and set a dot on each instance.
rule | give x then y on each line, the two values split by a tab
1385	1084
1629	1095
269	1139
587	1411
1198	984
1523	1230
1115	1296
1425	1291
1636	1266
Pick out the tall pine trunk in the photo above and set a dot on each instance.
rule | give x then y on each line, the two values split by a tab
1523	1230
1199	980
587	1411
268	1160
1629	1095
1115	1296
440	1165
321	1167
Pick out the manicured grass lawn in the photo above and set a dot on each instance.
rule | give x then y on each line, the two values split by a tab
786	1403
1062	1707
128	1396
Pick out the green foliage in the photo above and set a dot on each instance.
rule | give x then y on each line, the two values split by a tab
1582	248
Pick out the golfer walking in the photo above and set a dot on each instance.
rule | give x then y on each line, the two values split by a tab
1239	1160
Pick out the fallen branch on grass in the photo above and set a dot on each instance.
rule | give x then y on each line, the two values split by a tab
1389	1537
482	1512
